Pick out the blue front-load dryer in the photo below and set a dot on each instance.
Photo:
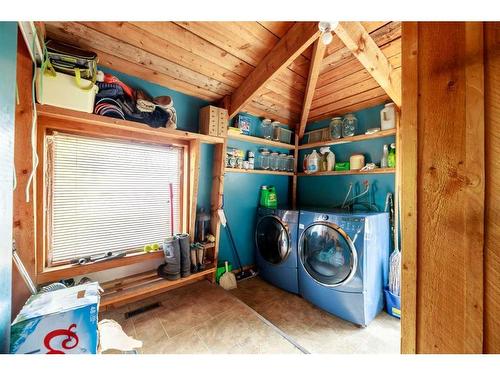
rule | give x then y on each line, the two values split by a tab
343	262
276	247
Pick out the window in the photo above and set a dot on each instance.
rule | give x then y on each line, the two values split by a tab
109	195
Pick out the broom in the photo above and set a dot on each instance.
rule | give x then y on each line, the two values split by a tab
395	258
228	279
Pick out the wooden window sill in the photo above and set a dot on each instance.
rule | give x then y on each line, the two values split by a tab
56	273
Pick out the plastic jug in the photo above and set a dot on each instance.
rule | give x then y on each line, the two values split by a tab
313	162
268	197
388	117
328	159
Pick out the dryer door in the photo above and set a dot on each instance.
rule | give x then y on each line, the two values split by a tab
328	254
272	239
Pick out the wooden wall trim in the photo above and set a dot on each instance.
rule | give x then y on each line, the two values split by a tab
491	335
407	141
474	165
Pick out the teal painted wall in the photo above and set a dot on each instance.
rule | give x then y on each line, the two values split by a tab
329	191
241	199
8	53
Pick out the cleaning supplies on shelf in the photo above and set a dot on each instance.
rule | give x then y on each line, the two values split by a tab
388	117
342	166
385	155
268	197
327	160
313	162
391	158
356	161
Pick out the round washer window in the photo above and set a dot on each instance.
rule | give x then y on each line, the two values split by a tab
272	239
327	254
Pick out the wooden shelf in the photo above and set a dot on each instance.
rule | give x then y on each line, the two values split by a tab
137	287
258	171
117	124
259	141
356	138
333	173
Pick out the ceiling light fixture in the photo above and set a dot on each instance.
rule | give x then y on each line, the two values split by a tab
326	29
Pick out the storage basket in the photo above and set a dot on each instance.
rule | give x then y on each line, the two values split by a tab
61	90
285	135
392	304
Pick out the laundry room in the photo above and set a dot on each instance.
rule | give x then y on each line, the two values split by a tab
249	186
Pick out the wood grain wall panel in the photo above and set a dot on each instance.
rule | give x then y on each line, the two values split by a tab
162	47
492	212
87	38
23	212
450	184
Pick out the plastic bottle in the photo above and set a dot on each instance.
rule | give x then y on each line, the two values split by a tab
388	117
328	159
304	163
391	159
313	162
385	155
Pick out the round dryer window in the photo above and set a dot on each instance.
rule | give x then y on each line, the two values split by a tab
328	254
272	240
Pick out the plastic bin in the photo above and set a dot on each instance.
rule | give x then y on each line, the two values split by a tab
392	304
285	135
62	91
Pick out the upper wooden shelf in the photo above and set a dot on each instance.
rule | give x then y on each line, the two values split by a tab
117	124
340	173
258	171
260	141
356	138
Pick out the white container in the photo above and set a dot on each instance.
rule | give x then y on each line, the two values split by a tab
313	162
388	117
62	91
356	161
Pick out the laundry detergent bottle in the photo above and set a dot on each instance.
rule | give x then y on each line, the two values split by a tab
268	197
313	162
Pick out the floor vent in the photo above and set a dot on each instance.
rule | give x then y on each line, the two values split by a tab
141	310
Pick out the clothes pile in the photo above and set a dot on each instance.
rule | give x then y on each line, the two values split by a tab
116	99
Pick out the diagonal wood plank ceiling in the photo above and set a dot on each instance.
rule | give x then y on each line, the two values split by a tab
210	60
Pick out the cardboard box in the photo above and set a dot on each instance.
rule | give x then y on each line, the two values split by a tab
60	322
214	121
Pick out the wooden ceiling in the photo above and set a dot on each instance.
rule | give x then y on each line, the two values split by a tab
210	60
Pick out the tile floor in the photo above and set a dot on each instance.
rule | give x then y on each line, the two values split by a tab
202	318
314	329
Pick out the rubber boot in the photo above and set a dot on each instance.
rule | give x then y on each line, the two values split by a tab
194	267
172	269
200	252
185	260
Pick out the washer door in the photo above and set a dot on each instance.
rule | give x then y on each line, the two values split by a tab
327	254
272	239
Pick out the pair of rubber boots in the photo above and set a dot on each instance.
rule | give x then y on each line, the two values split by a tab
197	257
177	261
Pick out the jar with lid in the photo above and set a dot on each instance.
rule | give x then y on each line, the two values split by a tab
290	163
276	130
336	128
274	161
266	128
251	160
282	162
349	125
264	157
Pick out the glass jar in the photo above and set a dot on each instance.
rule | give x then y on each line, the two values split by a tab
266	128
276	130
336	128
283	162
290	163
274	161
349	125
264	157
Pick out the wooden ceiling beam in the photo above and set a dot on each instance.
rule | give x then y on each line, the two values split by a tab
316	59
300	36
361	44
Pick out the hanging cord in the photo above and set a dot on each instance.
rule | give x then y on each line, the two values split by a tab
45	64
347	195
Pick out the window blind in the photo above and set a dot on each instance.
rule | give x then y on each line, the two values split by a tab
109	195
